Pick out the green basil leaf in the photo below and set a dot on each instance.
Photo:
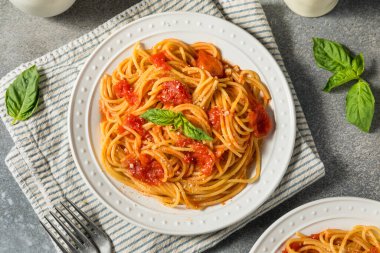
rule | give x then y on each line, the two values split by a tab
21	97
358	64
339	78
331	55
179	121
160	116
193	132
360	105
164	117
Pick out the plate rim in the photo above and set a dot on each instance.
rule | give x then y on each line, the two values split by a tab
75	156
305	206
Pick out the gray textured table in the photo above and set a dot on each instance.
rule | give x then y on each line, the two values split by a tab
352	158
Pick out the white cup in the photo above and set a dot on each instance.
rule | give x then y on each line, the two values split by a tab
43	8
311	8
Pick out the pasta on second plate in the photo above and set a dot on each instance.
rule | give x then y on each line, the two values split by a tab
358	239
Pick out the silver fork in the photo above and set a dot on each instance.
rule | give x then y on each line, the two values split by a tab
98	240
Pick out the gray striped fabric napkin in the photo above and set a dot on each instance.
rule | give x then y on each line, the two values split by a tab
41	161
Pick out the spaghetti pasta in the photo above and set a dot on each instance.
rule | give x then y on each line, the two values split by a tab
170	162
359	239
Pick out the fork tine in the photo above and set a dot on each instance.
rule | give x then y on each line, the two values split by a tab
63	225
54	239
72	248
76	218
75	228
90	222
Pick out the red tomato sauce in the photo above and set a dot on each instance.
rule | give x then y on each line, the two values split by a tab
184	141
134	122
121	129
174	93
214	117
159	60
373	249
145	169
314	236
189	158
294	246
124	90
208	62
259	120
201	157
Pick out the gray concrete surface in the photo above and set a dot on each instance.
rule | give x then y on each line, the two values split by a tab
352	158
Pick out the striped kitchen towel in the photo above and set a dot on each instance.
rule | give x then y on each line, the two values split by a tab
41	161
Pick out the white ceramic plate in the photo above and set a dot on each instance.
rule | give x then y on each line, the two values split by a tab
239	47
311	218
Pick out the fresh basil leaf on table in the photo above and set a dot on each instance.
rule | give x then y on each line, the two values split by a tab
21	97
358	64
341	77
360	102
360	105
164	117
330	55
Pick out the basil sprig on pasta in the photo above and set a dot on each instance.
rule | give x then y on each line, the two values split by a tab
360	102
21	98
164	117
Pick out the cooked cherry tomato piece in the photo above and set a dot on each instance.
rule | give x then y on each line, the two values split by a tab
208	62
124	90
145	169
259	120
296	245
189	158
201	156
174	93
134	122
204	158
214	117
184	141
159	60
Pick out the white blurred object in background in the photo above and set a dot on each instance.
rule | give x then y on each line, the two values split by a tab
311	8
43	8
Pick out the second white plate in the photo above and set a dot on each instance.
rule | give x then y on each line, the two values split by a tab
314	217
236	45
